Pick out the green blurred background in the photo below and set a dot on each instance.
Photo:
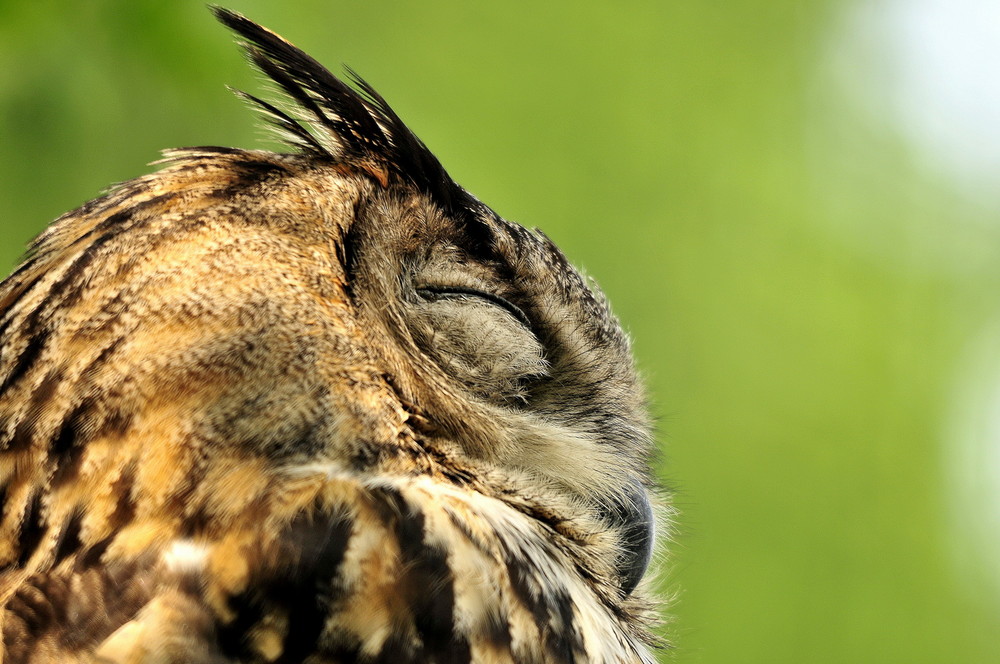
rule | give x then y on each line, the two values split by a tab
793	206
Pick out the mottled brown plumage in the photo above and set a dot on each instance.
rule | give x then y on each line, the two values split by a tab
322	406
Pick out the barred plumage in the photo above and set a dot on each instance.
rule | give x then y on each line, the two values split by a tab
320	406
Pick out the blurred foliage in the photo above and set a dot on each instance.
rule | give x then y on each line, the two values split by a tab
692	159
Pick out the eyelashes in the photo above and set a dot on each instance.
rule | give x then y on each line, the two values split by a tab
446	292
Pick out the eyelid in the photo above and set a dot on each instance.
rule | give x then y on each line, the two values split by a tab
511	308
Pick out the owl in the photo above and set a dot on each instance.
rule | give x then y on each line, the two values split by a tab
323	406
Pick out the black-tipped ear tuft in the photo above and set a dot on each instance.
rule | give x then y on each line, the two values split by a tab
333	120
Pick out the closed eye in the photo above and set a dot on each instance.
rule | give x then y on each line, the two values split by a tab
438	292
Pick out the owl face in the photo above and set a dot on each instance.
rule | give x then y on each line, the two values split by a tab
334	370
508	353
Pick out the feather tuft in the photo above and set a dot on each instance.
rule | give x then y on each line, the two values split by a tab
349	124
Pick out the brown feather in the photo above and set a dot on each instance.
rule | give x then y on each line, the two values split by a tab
260	407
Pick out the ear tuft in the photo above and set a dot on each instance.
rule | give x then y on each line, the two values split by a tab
346	124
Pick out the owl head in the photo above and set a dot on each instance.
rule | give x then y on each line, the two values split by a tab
180	357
